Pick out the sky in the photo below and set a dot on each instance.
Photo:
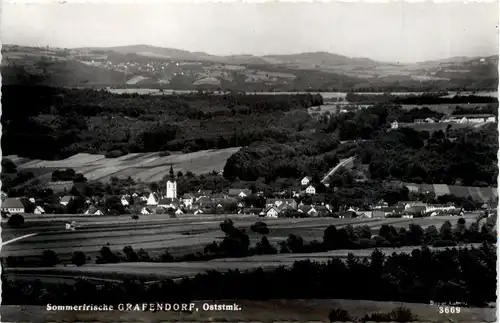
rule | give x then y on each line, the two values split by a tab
391	32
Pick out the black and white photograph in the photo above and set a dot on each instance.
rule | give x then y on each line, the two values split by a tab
210	161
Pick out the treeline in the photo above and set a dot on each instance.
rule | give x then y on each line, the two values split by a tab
418	98
50	123
465	275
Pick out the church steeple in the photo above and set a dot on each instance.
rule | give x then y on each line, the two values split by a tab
172	176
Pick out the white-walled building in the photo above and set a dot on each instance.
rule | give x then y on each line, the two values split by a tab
171	190
305	181
310	190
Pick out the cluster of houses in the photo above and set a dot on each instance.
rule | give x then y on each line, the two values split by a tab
208	202
460	119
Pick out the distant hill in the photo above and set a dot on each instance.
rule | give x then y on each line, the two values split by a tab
311	71
321	59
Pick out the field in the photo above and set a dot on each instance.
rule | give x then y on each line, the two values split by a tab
155	233
146	167
314	310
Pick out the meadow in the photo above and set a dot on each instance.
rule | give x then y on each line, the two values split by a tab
156	233
146	167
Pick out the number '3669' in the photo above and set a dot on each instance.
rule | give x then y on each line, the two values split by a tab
449	310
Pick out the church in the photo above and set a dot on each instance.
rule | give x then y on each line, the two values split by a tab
171	191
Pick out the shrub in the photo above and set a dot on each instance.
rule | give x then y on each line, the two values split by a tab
50	258
135	217
402	314
164	153
260	227
115	154
376	317
16	220
444	243
339	315
78	258
166	257
399	314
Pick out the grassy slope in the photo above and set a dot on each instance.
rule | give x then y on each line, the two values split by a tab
143	166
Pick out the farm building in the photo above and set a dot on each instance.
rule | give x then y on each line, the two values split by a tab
39	210
310	190
271	212
187	200
279	202
124	201
13	205
305	181
66	199
152	199
380	204
93	211
471	118
146	211
169	203
308	209
239	192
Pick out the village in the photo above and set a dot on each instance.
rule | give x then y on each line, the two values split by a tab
304	203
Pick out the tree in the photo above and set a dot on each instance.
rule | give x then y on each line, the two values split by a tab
431	234
78	258
130	254
260	227
16	220
263	247
446	231
49	258
8	166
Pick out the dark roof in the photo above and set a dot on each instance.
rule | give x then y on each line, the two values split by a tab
12	203
168	200
67	198
187	196
237	191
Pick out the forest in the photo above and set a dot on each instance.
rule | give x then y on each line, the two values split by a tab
280	139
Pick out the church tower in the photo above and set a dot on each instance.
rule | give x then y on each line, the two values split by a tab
171	189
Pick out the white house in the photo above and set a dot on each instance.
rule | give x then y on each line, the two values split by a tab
271	212
124	201
171	190
187	200
12	205
178	212
394	125
66	199
436	208
199	211
146	211
93	211
471	118
305	181
39	210
310	190
152	199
